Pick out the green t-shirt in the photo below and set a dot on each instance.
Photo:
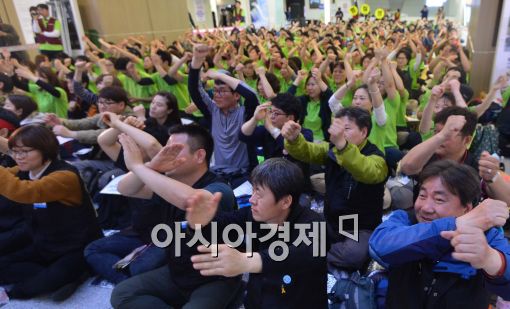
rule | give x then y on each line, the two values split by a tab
506	95
391	107
401	112
313	120
47	103
376	136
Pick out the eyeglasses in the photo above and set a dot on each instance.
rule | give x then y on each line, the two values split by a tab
221	92
276	114
106	101
20	154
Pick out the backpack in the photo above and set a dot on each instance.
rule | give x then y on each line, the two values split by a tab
353	292
486	139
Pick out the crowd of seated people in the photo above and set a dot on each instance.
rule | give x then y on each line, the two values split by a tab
347	115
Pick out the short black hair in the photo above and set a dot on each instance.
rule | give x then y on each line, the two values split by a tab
23	102
360	116
289	104
462	78
165	56
38	137
121	63
281	176
7	83
471	118
43	6
114	93
460	179
198	138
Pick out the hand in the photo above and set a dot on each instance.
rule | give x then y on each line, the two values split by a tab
200	51
454	85
374	76
212	74
239	67
437	92
452	127
187	56
25	73
488	166
201	208
52	120
156	59
291	130
132	153
110	119
261	111
381	53
139	111
130	69
500	83
470	244
191	109
229	263
135	122
316	74
60	130
487	214
336	133
167	158
260	70
80	65
301	75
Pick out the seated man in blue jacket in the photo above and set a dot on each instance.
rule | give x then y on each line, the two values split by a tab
446	254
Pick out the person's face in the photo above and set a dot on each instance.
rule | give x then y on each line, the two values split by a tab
10	107
289	43
159	108
193	159
312	88
107	105
401	61
264	208
339	75
248	70
352	132
441	104
331	54
27	158
435	201
381	85
147	63
452	146
253	54
390	45
361	99
41	76
110	68
43	12
278	117
107	81
260	90
34	13
69	83
366	62
224	97
285	72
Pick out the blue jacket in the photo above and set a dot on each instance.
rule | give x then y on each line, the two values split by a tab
400	240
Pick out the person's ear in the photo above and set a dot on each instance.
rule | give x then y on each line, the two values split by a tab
4	132
237	96
285	202
364	132
467	139
468	208
200	156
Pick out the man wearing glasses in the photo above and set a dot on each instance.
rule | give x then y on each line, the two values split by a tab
86	130
225	117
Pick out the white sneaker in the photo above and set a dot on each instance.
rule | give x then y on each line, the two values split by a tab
4	298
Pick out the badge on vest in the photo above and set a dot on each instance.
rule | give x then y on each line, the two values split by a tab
40	206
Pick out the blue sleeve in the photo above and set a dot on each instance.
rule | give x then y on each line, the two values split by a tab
250	100
84	94
256	139
292	89
500	286
397	241
307	134
201	101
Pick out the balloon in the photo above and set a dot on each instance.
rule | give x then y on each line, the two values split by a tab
353	10
379	13
365	9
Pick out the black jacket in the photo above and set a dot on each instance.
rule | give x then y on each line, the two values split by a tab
346	196
299	281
